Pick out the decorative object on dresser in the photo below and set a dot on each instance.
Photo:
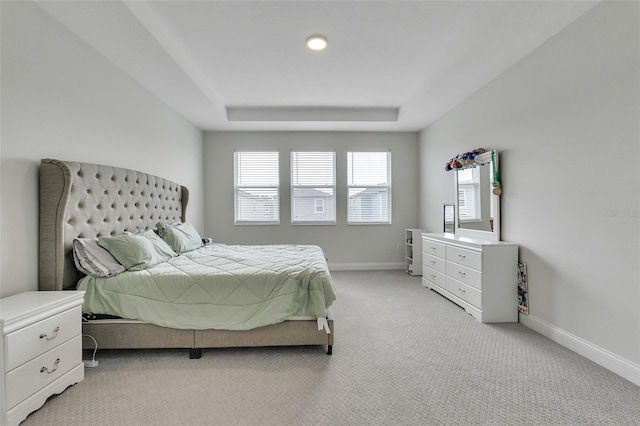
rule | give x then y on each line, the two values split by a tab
412	250
478	275
40	350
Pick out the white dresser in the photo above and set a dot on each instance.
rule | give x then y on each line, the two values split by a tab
478	275
40	349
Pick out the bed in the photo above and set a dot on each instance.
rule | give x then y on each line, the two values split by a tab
83	201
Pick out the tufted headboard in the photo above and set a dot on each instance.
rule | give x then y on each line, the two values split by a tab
91	200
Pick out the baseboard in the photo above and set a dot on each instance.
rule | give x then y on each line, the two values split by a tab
378	266
621	366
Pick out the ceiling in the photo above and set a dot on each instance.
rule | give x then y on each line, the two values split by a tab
243	65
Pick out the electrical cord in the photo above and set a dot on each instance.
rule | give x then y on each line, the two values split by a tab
93	362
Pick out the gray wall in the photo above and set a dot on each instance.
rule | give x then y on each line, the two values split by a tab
346	246
61	99
566	122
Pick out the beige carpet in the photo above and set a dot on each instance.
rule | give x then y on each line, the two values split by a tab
403	356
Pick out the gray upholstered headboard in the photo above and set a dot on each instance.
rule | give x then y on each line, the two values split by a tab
91	200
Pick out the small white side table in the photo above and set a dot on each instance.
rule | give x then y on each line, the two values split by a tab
40	349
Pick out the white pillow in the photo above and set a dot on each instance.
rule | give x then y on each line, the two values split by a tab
91	259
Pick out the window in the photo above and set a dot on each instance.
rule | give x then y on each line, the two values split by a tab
313	187
468	194
256	187
369	187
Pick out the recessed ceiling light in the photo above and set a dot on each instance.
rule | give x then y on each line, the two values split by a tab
316	42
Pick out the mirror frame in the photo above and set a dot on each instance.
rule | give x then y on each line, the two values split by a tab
493	199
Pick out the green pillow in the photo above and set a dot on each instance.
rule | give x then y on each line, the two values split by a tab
137	251
162	248
182	237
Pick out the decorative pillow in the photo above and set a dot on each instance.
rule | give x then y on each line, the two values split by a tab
182	237
91	259
161	246
137	251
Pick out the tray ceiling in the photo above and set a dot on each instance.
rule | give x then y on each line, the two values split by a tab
243	65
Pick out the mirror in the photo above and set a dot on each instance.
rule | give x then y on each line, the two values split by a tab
449	218
477	206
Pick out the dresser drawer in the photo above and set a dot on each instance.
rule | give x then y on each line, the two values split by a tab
468	258
27	379
465	292
434	262
466	275
29	342
434	277
434	248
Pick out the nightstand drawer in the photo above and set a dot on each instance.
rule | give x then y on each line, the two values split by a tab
27	379
434	262
36	339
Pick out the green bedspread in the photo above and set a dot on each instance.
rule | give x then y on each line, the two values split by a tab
229	287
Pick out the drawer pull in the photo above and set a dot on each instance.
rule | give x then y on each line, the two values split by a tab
433	277
55	334
462	274
461	256
55	367
460	290
433	248
433	262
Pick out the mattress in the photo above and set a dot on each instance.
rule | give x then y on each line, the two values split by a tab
227	287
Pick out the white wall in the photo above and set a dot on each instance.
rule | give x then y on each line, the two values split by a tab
61	99
566	121
346	246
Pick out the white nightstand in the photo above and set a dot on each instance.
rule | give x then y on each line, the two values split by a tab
40	349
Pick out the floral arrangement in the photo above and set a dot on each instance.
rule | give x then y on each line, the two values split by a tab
468	160
464	161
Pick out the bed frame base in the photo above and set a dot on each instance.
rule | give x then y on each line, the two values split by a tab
141	335
197	352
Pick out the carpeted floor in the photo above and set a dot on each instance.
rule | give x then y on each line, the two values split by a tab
403	355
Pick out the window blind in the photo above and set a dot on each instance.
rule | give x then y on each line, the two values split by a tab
313	187
369	187
256	187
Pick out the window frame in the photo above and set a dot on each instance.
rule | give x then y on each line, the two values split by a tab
387	186
333	186
267	186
